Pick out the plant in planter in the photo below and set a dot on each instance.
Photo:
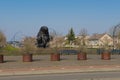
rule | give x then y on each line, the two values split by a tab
1	55
56	44
28	49
106	55
82	55
55	56
2	45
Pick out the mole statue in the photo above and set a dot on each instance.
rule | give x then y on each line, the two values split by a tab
43	37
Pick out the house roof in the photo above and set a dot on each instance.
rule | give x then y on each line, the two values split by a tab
96	36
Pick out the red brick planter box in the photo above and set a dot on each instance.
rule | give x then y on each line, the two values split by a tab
27	57
81	56
1	58
55	57
106	55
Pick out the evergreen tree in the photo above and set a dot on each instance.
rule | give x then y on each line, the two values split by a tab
71	36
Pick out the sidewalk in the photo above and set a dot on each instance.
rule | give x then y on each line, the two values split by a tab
42	65
51	70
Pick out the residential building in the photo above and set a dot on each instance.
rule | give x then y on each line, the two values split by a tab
100	40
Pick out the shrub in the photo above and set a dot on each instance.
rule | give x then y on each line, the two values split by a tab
2	42
28	45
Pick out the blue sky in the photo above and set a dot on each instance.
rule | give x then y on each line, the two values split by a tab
25	17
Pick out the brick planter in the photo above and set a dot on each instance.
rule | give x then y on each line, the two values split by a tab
1	58
55	57
106	55
82	56
27	57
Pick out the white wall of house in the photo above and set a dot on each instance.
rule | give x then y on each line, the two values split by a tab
105	39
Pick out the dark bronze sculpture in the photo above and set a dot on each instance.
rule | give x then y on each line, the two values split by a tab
43	37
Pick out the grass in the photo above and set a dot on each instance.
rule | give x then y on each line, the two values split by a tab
12	51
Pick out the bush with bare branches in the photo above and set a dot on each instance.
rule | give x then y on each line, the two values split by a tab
29	45
2	41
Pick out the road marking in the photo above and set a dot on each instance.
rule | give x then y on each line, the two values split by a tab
118	66
1	70
32	69
91	67
62	68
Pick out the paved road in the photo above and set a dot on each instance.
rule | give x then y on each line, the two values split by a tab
70	76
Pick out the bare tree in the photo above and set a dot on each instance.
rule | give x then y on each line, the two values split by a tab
115	33
110	31
118	42
57	41
2	40
83	34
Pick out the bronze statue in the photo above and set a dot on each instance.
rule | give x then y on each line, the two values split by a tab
43	37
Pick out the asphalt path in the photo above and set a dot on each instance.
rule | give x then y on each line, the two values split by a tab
68	76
